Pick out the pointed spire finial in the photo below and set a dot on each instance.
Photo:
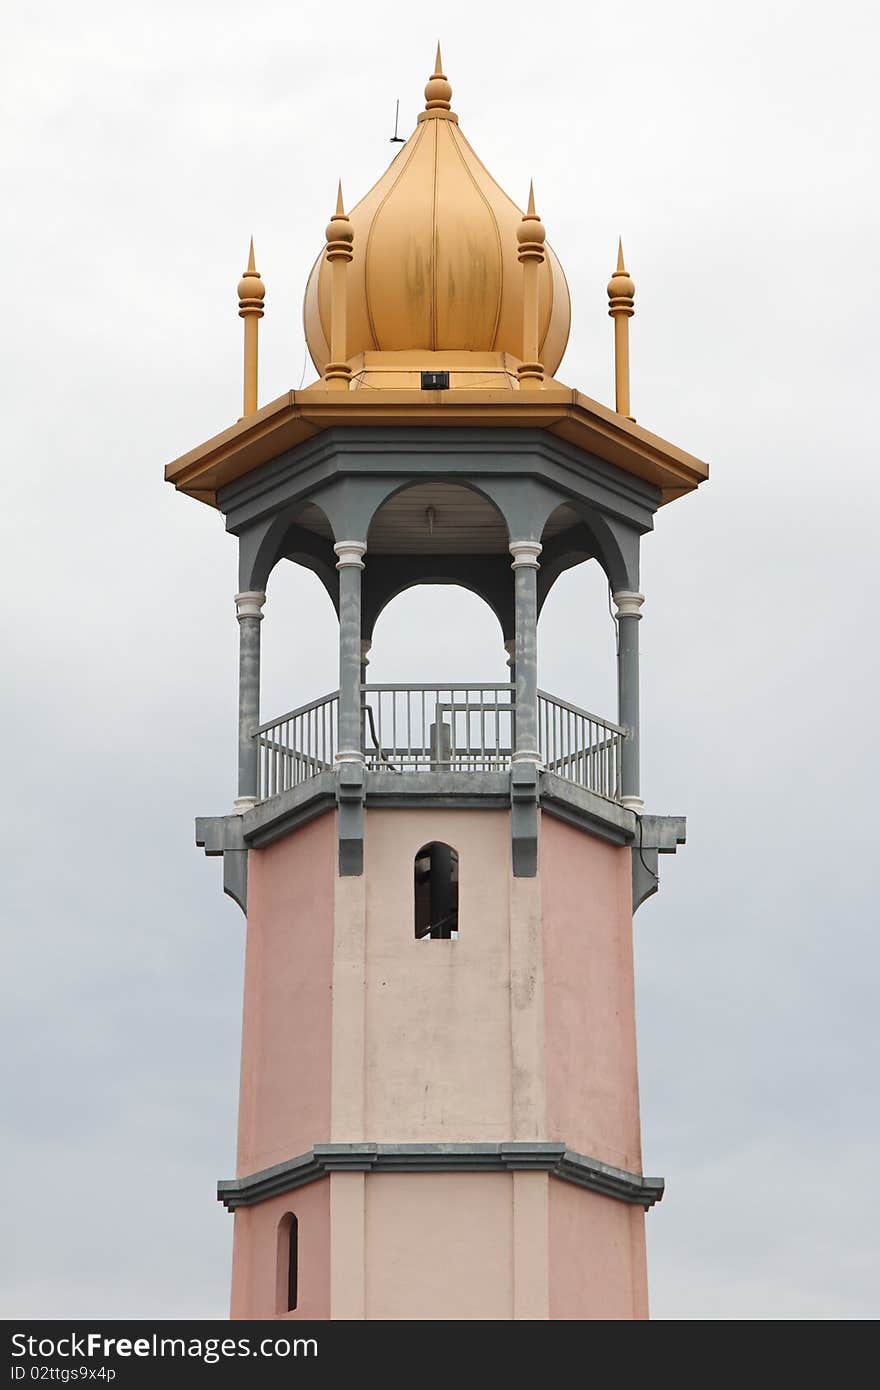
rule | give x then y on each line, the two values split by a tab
251	290
339	230
339	252
621	287
621	307
438	93
251	293
531	233
530	236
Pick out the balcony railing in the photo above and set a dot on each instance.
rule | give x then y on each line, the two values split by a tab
441	728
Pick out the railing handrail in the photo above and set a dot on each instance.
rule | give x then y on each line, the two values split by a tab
465	726
440	685
294	713
584	713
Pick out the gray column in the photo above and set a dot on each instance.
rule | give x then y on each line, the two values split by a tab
249	611
349	564
510	649
525	570
628	605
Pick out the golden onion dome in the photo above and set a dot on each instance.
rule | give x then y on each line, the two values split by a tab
435	264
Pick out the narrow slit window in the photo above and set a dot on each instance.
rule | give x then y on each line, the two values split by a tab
288	1263
436	893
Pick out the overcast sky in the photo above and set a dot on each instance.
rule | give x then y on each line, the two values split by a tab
731	146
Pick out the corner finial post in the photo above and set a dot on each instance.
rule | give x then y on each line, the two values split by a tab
438	94
340	236
251	293
530	235
621	294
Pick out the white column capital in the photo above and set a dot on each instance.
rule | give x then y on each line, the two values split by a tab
350	553
510	648
249	604
366	644
525	554
628	603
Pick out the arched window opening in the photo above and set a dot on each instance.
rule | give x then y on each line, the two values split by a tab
436	893
288	1263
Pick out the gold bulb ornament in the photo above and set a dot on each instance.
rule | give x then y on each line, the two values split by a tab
438	91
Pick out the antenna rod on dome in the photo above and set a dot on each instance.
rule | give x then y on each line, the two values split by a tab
621	293
397	139
251	293
530	235
340	235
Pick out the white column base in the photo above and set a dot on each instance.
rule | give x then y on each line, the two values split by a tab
633	803
242	804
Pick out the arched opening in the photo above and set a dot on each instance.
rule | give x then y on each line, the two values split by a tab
577	636
287	1285
437	631
435	892
300	645
437	694
444	545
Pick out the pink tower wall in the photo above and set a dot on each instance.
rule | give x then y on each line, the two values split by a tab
523	1028
284	1105
255	1255
592	1074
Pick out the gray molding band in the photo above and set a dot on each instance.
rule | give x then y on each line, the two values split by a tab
552	1158
270	820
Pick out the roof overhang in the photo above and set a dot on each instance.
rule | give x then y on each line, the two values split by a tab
300	415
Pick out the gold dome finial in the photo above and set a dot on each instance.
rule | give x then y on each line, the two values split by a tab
621	287
530	235
621	294
251	293
251	290
438	93
340	236
339	230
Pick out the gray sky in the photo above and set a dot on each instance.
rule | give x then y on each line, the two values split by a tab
731	146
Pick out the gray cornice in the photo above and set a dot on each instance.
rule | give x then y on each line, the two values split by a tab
474	453
552	1158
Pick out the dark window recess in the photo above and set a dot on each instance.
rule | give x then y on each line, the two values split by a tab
290	1239
436	892
435	381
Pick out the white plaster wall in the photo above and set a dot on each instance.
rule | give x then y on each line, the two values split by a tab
438	1024
439	1246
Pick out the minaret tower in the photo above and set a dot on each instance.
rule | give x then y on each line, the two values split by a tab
439	1110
